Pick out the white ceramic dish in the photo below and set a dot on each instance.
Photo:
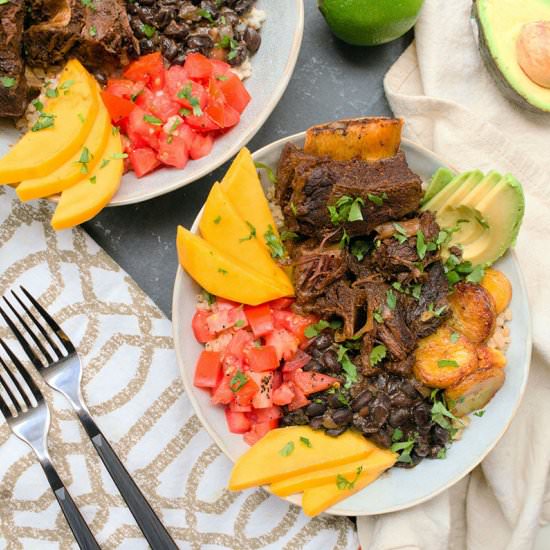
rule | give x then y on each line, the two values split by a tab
272	67
398	488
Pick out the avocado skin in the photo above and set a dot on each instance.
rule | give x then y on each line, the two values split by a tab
502	83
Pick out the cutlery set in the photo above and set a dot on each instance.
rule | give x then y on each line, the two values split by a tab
22	404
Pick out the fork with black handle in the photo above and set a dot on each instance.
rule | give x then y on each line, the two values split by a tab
56	359
31	424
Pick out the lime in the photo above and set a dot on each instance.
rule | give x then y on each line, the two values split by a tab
370	22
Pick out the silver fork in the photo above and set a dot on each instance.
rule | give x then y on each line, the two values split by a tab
32	424
62	371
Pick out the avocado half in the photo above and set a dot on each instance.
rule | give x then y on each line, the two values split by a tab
499	24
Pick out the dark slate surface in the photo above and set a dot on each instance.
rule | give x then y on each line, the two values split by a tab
332	80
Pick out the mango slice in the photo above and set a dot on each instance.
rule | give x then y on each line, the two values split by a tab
222	227
244	190
74	110
222	275
281	454
318	499
86	198
377	458
73	170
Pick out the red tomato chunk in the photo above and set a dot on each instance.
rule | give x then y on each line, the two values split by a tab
171	115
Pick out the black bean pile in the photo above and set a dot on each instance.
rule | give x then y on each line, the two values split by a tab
214	28
387	408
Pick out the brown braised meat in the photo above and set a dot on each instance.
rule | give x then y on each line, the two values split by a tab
99	35
308	185
13	85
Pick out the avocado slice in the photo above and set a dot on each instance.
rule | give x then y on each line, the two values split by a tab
488	211
442	176
499	24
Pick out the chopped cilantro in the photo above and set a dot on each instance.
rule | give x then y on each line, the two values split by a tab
288	235
93	179
444	363
274	243
442	416
44	121
344	241
342	483
239	323
378	316
93	30
238	381
209	298
115	156
314	330
217	220
52	92
346	209
397	435
406	448
293	208
391	299
421	247
148	30
222	271
305	441
85	158
288	449
104	163
442	453
416	290
222	77
152	120
38	105
270	174
479	413
401	234
187	93
206	15
251	235
7	81
359	249
377	354
454	337
476	275
377	199
349	368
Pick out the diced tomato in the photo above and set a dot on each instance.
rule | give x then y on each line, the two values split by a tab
201	146
191	96
231	363
118	107
125	88
208	369
246	393
235	407
241	341
201	123
301	359
262	359
219	68
263	397
143	160
148	68
225	318
312	382
234	92
199	324
260	319
294	323
175	79
283	395
198	66
300	400
162	106
265	415
281	303
222	114
284	342
223	395
173	151
237	422
222	303
259	430
141	130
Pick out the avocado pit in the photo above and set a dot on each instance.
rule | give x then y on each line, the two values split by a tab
533	52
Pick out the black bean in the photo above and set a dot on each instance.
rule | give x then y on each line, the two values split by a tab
189	13
210	7
169	48
361	401
342	416
242	6
253	39
422	415
440	436
146	2
230	16
164	17
137	27
335	432
176	30
323	341
200	43
382	438
315	366
336	401
147	15
398	417
316	409
316	423
330	360
399	399
328	421
240	53
408	389
146	45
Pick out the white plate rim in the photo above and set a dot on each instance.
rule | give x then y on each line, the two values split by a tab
247	136
342	511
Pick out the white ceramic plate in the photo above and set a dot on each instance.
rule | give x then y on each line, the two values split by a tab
398	488
272	67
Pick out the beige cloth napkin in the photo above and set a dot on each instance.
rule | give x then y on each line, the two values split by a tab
452	106
132	386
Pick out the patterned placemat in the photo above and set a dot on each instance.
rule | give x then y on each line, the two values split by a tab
131	384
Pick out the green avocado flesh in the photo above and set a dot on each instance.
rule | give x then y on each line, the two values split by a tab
439	180
499	23
486	210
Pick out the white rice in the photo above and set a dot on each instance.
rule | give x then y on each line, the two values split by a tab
255	18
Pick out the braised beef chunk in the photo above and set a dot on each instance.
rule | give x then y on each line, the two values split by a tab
99	35
315	269
307	186
13	85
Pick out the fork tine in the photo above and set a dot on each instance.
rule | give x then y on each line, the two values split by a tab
23	372
4	409
31	333
65	340
7	389
22	340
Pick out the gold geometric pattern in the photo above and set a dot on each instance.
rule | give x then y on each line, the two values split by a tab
131	384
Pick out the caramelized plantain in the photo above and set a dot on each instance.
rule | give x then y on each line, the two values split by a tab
489	358
499	287
473	312
474	391
443	358
370	138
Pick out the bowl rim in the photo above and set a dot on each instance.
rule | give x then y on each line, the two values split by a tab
248	134
294	498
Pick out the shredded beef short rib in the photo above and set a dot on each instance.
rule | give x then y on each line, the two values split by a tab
100	36
13	88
